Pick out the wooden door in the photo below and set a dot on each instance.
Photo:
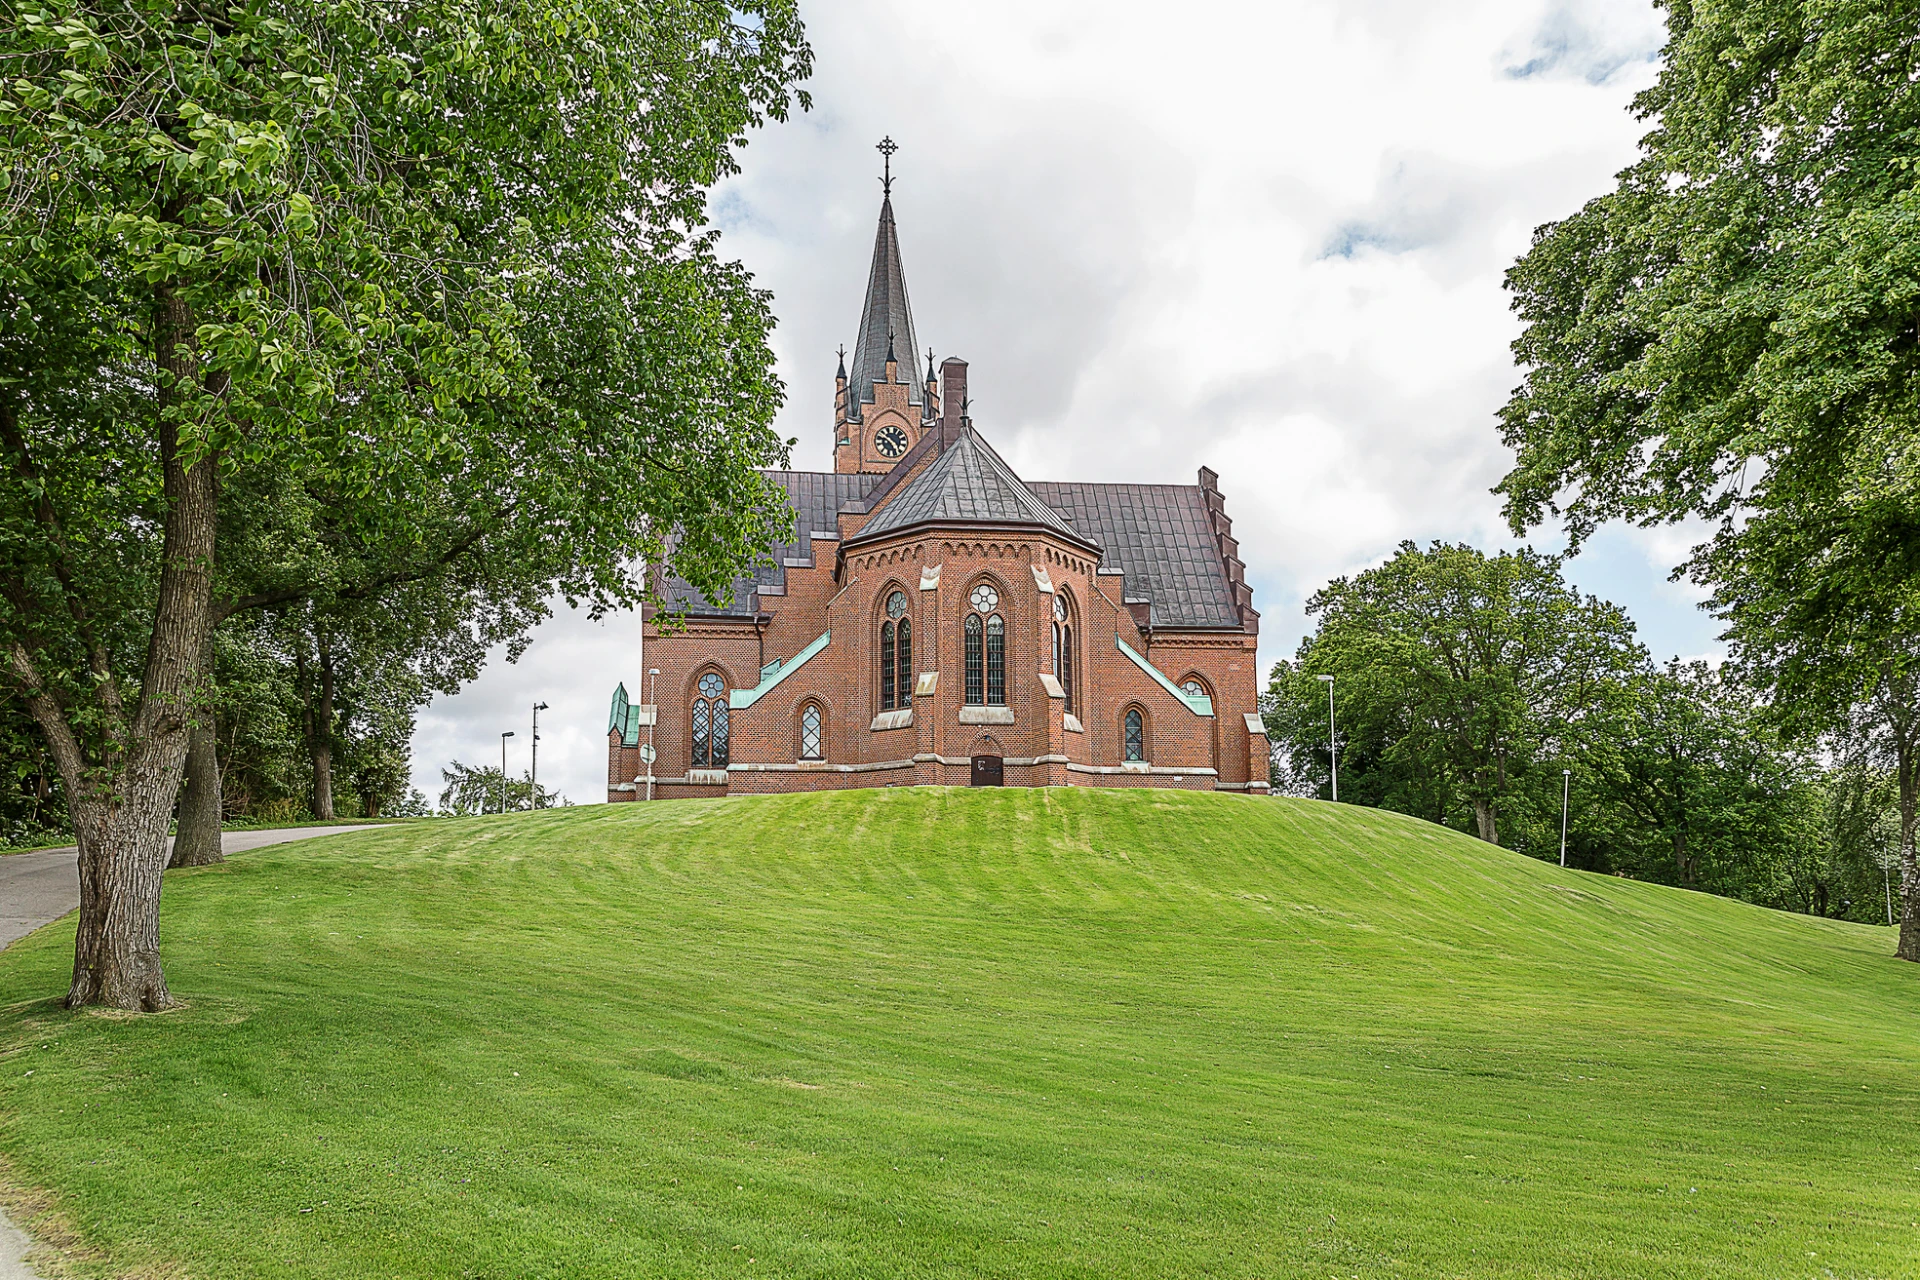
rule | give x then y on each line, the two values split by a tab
987	772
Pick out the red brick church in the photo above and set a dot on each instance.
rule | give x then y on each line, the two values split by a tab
938	620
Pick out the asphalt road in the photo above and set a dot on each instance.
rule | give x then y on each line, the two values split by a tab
39	888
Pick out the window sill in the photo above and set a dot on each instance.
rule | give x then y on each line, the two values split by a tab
986	715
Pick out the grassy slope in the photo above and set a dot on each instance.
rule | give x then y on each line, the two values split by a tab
972	1033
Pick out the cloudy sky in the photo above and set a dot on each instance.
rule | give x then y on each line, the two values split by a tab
1266	237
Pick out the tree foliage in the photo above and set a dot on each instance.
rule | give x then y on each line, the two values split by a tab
1457	674
1731	333
312	302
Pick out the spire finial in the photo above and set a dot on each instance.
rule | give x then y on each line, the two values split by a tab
843	361
930	374
890	356
886	148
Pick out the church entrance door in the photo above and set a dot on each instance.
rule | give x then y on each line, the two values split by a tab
987	772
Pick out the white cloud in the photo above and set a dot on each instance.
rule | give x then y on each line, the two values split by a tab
1268	238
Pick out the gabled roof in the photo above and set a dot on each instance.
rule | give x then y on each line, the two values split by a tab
1160	537
885	319
967	484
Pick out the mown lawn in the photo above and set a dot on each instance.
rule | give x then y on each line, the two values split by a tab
970	1033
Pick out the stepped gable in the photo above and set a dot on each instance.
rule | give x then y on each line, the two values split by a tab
967	484
886	321
1160	536
815	497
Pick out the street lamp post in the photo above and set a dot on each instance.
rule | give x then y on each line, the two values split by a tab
1566	786
504	735
653	700
1333	748
533	776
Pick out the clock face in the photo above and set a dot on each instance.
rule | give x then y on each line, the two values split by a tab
890	442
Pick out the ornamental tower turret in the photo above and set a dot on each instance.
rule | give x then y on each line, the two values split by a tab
880	409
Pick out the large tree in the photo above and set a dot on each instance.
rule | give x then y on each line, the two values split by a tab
434	272
1458	675
1731	333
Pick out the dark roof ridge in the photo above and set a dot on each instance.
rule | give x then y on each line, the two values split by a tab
968	483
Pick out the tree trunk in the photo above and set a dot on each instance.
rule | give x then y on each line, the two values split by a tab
197	843
1907	766
123	851
321	743
1483	818
120	813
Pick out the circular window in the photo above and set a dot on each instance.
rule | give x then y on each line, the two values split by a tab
710	685
984	597
1059	609
896	604
1194	689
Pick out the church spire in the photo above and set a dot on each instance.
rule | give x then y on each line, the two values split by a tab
885	315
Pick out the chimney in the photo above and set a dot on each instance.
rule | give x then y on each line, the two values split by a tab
953	396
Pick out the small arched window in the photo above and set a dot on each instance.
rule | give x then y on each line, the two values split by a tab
812	743
896	655
1136	735
710	727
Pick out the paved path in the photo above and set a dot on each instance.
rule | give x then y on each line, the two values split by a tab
39	888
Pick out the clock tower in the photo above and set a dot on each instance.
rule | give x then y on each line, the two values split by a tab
880	409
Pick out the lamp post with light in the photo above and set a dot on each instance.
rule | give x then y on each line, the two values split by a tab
504	735
1566	786
533	774
653	700
1333	750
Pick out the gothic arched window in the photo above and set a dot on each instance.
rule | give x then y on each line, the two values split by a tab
1063	649
710	728
1136	735
896	655
996	661
976	684
812	738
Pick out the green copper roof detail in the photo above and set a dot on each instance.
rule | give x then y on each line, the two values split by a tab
741	699
1198	703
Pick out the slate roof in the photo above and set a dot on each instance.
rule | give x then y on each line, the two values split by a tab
885	312
969	482
1158	534
815	497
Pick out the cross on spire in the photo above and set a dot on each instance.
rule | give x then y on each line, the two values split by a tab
887	146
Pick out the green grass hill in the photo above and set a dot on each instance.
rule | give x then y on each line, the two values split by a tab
967	1034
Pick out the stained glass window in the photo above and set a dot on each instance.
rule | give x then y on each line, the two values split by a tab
886	667
810	733
1194	688
896	604
976	687
702	733
1136	735
904	659
1066	665
710	723
985	598
996	662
